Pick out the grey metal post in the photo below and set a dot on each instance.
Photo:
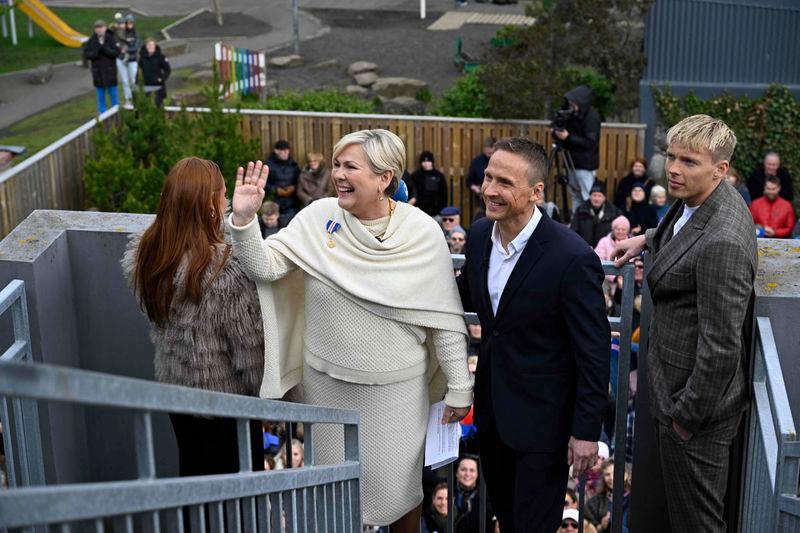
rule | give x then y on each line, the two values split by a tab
296	26
12	22
30	28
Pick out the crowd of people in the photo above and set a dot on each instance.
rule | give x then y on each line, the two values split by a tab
119	56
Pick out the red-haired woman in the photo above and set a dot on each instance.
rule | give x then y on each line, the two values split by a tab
204	311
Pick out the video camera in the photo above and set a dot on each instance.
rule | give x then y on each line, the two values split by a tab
560	118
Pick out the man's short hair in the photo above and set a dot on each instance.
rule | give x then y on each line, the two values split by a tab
531	151
282	144
704	133
775	180
270	208
488	142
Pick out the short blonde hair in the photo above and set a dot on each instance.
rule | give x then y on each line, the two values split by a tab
384	150
704	133
656	190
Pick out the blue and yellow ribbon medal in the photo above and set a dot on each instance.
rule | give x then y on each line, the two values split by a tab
331	227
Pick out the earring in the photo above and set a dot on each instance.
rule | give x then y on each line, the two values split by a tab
380	196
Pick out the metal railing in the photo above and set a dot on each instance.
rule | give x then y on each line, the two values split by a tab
622	324
770	501
20	417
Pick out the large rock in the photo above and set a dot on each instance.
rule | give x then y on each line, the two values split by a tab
394	87
331	63
286	61
403	105
366	79
356	90
174	47
361	66
272	88
41	74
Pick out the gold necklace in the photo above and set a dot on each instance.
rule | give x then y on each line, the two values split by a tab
392	206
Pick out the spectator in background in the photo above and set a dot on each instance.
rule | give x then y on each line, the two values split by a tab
155	69
570	499
638	172
772	213
620	230
550	209
466	501
598	508
102	50
315	181
771	167
569	522
457	240
592	220
298	456
129	57
122	58
451	218
269	219
642	215
282	183
478	166
430	186
434	519
735	180
658	199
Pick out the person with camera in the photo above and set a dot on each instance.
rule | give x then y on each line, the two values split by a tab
576	128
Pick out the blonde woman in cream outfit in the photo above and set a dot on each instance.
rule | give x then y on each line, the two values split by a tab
360	305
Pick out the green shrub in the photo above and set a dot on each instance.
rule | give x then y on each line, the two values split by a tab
766	123
465	98
325	101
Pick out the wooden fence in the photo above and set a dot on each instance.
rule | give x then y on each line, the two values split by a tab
52	179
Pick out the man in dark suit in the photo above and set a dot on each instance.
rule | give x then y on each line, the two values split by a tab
542	377
701	282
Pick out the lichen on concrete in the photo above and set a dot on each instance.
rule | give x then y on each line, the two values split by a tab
778	268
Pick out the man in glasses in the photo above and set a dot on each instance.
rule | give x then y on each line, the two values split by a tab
451	218
569	521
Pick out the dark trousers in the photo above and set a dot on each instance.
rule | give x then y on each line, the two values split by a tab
526	490
696	475
209	445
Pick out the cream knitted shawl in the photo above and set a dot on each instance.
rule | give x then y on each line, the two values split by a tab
407	277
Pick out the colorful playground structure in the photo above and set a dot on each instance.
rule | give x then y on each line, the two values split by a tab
241	71
43	17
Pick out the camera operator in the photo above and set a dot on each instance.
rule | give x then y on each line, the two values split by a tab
577	128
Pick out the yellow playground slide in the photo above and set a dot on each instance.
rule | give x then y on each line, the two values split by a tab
51	23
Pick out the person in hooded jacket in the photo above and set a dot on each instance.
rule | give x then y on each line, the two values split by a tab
581	138
429	185
642	214
155	70
102	50
315	181
284	174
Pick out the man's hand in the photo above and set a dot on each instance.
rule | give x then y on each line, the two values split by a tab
628	249
454	414
769	232
582	455
682	433
249	192
561	134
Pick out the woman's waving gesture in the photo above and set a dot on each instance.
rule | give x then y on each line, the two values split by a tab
249	192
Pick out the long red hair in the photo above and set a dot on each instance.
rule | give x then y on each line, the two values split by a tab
188	224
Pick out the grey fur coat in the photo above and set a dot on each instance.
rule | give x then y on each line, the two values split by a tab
215	345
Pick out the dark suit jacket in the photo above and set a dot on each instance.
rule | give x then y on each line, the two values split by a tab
544	360
701	283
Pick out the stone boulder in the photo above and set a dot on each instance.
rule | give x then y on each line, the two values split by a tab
395	87
403	105
174	47
41	74
366	79
286	61
331	63
356	90
361	66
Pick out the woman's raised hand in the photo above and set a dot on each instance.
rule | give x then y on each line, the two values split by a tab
249	192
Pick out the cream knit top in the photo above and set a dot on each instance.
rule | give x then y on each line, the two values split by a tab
349	342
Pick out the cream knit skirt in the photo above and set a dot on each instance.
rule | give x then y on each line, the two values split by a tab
392	435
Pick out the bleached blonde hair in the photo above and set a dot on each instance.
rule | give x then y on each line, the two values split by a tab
704	133
384	150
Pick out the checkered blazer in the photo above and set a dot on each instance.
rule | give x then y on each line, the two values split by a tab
701	281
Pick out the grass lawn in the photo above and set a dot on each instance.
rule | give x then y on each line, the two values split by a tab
40	130
44	49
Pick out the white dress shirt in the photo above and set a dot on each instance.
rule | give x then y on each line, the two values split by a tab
687	214
502	262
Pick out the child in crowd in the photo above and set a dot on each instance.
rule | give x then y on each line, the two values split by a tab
268	221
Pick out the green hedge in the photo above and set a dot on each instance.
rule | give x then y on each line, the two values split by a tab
770	122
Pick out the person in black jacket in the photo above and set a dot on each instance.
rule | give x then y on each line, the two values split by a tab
642	215
770	167
283	176
581	138
155	70
592	220
478	166
541	385
102	50
430	186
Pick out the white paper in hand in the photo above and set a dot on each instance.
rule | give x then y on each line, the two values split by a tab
441	440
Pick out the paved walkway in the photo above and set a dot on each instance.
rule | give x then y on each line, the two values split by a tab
18	99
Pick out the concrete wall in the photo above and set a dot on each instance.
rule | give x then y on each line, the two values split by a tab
83	315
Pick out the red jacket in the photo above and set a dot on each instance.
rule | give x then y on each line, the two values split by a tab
778	215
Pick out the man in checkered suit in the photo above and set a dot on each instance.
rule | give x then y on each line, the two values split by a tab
701	281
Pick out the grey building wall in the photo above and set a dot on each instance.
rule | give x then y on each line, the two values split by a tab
711	46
